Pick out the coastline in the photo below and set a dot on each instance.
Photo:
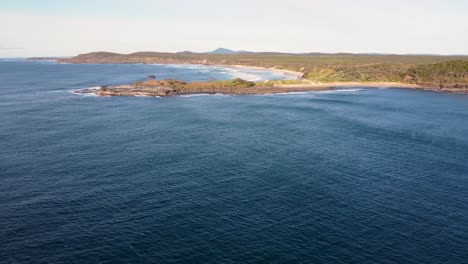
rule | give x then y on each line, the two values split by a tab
305	86
354	84
381	85
436	73
164	90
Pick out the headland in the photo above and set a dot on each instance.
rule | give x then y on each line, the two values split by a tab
313	71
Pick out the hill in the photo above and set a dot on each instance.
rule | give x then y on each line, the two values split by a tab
223	51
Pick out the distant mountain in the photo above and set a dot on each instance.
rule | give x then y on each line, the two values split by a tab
185	52
219	51
223	51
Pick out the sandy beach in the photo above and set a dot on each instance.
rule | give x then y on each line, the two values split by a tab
297	75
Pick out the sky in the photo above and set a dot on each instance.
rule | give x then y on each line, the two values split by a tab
67	28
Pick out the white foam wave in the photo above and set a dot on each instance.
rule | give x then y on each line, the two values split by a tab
349	90
188	66
202	94
292	93
80	91
315	92
93	88
84	94
296	93
340	91
194	95
245	75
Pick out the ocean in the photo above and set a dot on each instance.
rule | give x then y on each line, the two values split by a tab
349	175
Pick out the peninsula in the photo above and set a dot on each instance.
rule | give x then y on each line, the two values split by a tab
315	71
237	86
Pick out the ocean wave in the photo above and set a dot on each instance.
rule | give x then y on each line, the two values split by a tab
202	94
83	92
188	66
349	90
245	75
256	75
143	95
91	88
341	91
194	95
292	93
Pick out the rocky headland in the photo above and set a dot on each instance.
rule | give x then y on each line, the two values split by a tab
163	88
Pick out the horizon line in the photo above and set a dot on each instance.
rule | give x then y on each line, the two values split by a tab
253	52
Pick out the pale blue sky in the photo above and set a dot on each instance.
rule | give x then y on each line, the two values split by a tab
65	27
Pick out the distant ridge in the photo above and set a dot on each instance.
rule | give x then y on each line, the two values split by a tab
223	51
218	51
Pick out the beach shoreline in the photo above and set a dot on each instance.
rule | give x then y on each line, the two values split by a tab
296	74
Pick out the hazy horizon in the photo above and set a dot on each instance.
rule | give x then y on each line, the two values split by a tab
67	28
265	51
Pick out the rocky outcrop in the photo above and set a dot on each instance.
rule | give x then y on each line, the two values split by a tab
134	90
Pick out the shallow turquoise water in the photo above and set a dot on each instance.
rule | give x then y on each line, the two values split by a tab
346	176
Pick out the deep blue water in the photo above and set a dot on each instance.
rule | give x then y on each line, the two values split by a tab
346	176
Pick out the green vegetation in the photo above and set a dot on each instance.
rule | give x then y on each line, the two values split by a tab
184	87
446	74
280	82
239	83
358	73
